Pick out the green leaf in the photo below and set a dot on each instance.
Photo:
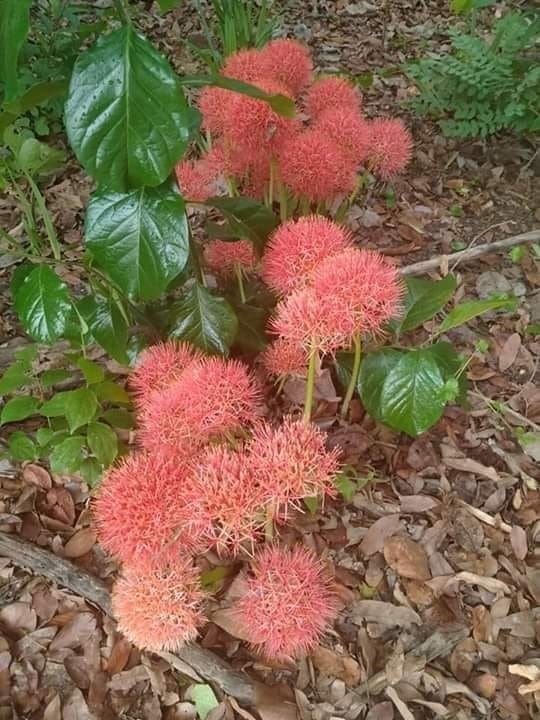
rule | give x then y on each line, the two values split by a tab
312	503
410	400
403	389
246	219
125	112
93	373
462	7
21	447
53	377
103	442
450	364
281	104
36	157
42	304
252	322
14	25
110	391
346	487
67	456
80	407
18	408
90	470
373	372
204	699
425	298
466	311
166	5
205	320
140	238
106	324
55	407
44	436
15	377
119	418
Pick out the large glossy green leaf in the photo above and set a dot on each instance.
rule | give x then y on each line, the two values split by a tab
466	311
424	299
14	25
125	112
106	324
140	239
410	400
205	320
407	390
67	456
245	219
42	304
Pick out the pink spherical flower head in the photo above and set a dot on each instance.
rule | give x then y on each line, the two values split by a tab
212	398
245	65
331	92
224	257
139	510
311	321
312	166
289	603
364	284
196	179
288	62
283	358
297	247
160	607
227	500
347	128
160	365
252	126
213	103
390	147
291	463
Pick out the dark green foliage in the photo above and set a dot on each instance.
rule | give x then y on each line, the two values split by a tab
484	85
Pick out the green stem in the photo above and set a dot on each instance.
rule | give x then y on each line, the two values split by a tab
282	201
47	221
305	208
195	256
354	376
240	280
271	183
310	385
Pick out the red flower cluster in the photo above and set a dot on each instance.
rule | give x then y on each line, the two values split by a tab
188	491
335	291
288	604
317	160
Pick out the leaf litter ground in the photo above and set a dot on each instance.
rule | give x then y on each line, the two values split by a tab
434	549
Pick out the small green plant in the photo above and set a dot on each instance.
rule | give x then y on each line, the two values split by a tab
76	429
236	25
42	40
484	85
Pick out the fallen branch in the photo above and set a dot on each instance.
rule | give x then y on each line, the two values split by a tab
444	261
205	663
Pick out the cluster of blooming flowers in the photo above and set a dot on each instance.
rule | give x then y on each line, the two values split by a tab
314	158
211	475
331	292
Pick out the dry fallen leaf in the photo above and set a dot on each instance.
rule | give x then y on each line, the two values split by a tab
229	620
381	711
332	664
407	558
37	475
417	503
18	617
383	528
76	632
384	613
80	543
518	540
508	352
